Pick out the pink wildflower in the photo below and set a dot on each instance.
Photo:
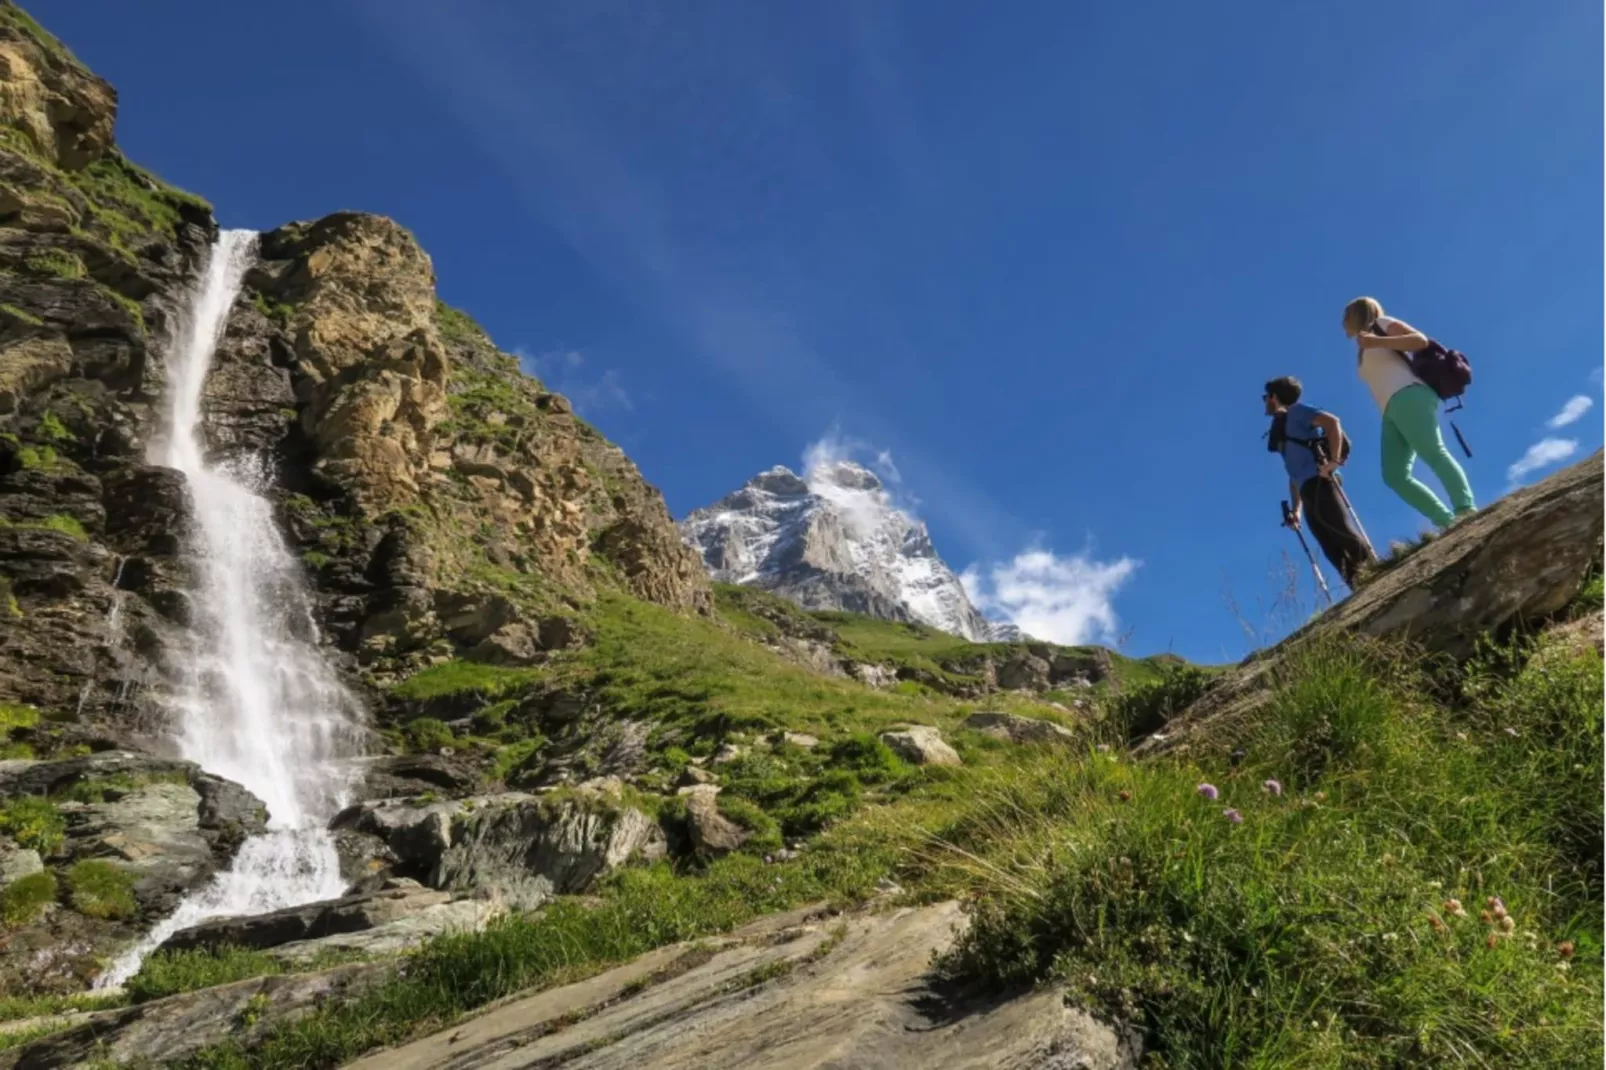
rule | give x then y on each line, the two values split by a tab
1208	791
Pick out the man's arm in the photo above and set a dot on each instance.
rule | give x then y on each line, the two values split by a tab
1330	427
1293	499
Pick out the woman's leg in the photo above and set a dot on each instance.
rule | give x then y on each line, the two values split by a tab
1418	421
1398	456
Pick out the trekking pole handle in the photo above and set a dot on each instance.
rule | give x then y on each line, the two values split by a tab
1289	519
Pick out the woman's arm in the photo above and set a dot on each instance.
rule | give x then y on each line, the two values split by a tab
1397	336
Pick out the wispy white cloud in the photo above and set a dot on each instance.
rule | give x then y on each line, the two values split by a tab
1063	598
1542	454
1595	375
1571	412
566	372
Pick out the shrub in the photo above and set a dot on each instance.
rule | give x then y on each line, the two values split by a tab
427	734
26	897
1148	707
34	823
101	890
867	758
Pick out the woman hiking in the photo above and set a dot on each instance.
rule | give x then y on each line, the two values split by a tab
1410	412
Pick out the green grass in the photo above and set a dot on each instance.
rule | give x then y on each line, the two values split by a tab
34	823
15	1008
25	898
167	973
101	890
463	677
17	715
1319	932
21	315
52	429
456	325
130	202
277	311
15	17
54	263
65	524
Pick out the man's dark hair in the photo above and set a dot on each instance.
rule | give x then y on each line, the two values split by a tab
1286	390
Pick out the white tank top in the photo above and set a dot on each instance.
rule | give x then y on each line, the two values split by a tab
1386	371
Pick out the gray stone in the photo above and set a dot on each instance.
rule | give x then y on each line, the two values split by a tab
1014	728
920	745
1024	672
18	862
712	833
525	848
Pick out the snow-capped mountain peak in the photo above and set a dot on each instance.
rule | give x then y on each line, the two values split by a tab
835	539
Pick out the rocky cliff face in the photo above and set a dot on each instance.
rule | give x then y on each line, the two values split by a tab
445	505
835	540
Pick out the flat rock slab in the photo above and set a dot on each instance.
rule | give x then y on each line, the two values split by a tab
166	1030
790	993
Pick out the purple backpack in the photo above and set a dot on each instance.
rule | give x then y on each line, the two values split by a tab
1446	371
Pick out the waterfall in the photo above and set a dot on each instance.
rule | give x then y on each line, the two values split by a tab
258	705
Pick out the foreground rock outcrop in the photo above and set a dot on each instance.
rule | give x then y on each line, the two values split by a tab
94	849
799	990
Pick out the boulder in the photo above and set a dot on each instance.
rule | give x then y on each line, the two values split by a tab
1024	672
712	833
524	848
920	745
1082	666
1013	728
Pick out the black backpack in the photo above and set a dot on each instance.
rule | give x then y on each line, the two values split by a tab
1318	446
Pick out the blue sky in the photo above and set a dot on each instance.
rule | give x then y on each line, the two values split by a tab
1042	255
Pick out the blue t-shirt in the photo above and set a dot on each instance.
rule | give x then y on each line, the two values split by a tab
1298	459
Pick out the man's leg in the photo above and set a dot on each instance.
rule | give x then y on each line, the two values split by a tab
1328	520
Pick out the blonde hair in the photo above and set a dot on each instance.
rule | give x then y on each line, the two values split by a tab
1361	313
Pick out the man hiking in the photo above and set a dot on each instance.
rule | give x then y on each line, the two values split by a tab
1313	445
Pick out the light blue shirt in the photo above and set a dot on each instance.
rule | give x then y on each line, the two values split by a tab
1298	459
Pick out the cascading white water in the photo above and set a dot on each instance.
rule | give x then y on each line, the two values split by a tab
259	704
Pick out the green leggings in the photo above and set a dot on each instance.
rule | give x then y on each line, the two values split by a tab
1411	427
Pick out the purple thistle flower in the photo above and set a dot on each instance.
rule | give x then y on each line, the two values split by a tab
1208	791
1234	816
1272	787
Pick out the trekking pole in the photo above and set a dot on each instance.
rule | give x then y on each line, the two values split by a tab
1289	521
1338	485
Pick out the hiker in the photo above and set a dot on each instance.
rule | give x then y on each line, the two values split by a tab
1313	446
1410	411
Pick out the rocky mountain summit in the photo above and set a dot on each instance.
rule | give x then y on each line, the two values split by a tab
834	539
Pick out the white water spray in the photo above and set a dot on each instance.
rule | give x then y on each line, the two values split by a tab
259	705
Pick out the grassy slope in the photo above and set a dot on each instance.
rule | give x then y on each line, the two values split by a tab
1318	932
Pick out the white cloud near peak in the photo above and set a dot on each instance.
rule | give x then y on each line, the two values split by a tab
1542	454
1571	412
1067	599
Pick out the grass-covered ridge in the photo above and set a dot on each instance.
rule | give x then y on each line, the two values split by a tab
1403	869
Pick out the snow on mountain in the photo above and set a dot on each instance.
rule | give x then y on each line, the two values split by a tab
835	540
